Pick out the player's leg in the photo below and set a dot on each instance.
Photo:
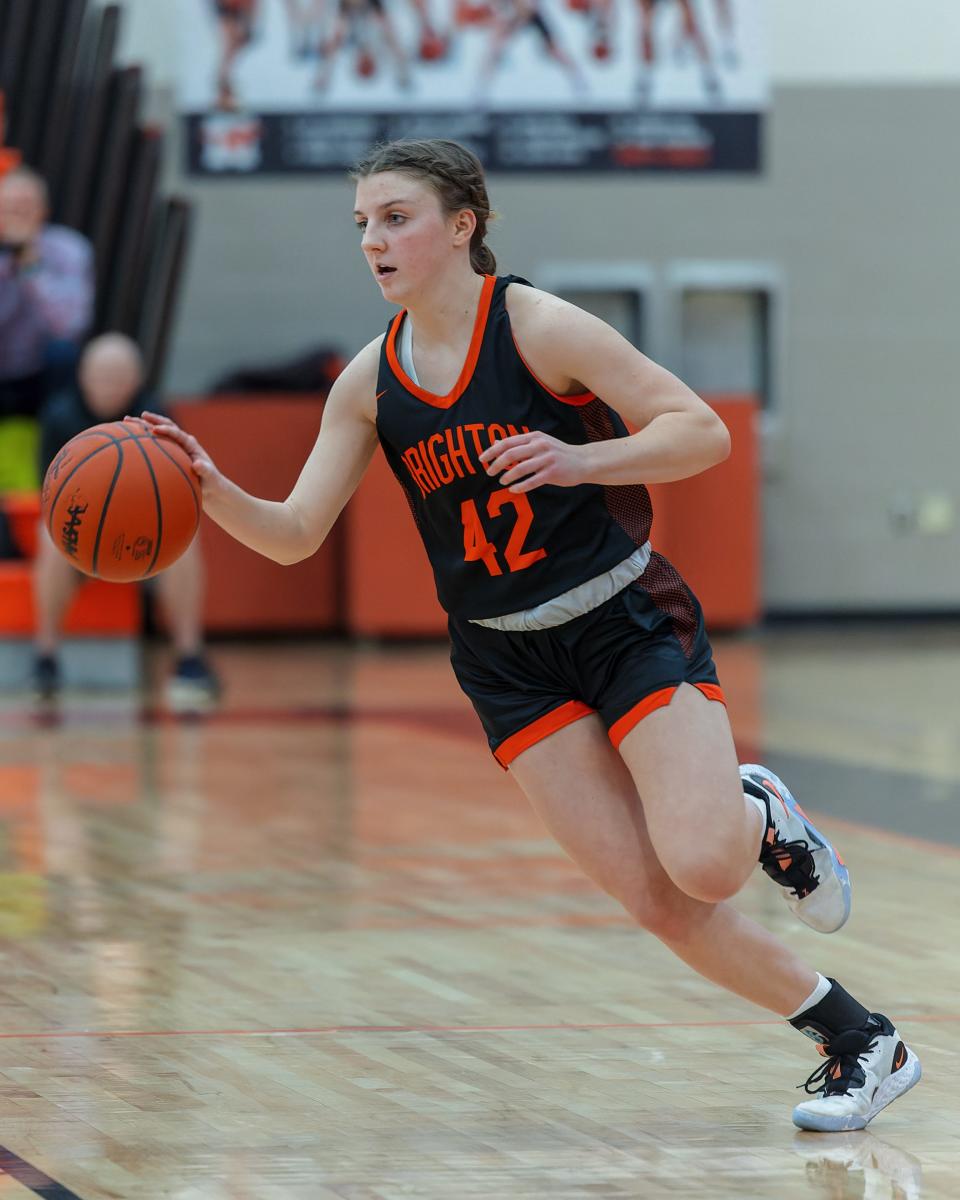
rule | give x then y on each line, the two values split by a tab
535	20
683	762
646	55
55	583
329	49
681	759
586	797
695	36
296	29
728	33
535	694
503	29
235	33
393	44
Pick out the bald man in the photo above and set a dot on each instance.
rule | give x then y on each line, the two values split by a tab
111	388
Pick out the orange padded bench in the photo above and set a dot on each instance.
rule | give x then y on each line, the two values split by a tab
708	526
99	609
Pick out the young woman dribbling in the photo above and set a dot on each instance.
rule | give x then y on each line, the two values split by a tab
581	649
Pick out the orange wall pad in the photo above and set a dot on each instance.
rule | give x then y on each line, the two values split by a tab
390	589
709	525
261	443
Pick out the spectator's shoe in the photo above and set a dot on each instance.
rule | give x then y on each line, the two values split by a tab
816	884
866	1069
46	678
193	686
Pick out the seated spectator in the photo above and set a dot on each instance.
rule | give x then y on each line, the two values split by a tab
111	387
46	308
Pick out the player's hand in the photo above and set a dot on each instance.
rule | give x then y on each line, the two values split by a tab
203	465
528	460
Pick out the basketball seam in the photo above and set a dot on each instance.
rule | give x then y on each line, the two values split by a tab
156	496
114	441
163	450
106	505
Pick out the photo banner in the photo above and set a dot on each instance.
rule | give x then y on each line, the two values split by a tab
305	86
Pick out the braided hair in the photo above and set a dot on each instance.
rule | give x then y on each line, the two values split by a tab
454	173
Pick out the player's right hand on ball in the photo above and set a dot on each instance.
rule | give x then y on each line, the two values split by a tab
203	465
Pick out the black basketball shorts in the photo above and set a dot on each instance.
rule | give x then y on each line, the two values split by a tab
622	660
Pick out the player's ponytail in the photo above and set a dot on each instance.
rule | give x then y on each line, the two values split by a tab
455	174
482	258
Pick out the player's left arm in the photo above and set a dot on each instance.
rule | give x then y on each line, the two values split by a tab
573	352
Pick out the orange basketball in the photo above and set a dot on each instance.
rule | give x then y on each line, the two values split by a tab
120	503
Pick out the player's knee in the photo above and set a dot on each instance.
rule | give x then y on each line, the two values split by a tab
665	911
710	880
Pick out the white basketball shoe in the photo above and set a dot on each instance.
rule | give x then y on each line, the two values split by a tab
866	1069
797	856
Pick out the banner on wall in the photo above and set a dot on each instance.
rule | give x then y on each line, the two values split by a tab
293	86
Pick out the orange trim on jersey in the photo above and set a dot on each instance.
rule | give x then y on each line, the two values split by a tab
535	732
578	398
470	363
619	729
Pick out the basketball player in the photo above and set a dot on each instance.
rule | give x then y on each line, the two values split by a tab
512	17
356	22
728	33
235	19
305	26
692	34
582	649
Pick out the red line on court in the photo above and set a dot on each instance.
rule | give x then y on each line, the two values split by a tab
333	1029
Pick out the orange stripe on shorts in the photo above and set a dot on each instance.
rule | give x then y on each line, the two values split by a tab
537	730
619	729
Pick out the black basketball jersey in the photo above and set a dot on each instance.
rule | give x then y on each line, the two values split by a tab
495	552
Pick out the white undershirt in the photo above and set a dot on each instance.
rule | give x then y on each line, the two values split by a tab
405	348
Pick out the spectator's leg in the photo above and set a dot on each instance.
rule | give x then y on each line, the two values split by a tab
55	583
193	683
180	588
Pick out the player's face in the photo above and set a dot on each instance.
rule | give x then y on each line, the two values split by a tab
406	235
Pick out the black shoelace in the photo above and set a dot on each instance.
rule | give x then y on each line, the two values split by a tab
842	1070
800	875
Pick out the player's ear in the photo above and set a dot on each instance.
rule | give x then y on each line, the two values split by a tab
464	223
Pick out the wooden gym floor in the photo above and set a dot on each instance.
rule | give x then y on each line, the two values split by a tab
316	947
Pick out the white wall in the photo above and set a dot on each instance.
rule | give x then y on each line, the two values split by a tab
835	41
864	41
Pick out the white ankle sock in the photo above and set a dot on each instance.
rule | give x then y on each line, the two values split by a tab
818	993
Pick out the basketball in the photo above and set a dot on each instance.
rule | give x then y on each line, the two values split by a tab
120	503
